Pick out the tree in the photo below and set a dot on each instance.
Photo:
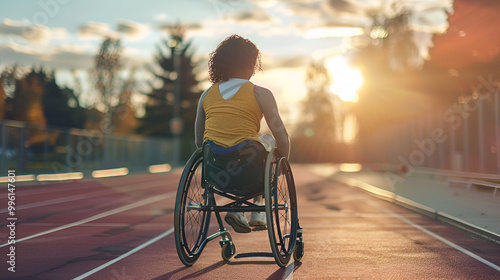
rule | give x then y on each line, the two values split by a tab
27	99
124	119
392	34
161	100
397	84
61	107
105	75
8	84
26	105
314	138
2	100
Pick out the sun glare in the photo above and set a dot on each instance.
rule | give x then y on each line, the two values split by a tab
346	80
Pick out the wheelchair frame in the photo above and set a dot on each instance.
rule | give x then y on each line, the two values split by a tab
193	212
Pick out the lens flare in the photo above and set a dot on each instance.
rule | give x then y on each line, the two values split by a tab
346	80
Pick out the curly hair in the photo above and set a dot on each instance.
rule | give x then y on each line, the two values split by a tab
235	52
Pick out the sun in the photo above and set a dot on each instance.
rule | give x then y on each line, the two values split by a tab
346	80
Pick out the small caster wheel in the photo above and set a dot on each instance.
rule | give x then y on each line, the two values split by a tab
298	252
228	251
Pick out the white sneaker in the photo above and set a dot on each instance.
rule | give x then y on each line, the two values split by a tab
258	220
238	221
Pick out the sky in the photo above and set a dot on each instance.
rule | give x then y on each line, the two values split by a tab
65	35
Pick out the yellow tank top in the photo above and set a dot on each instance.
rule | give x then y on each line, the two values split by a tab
230	122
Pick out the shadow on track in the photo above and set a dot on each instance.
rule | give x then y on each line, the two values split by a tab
281	273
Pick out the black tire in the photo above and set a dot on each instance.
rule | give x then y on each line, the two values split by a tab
228	250
281	209
191	225
298	253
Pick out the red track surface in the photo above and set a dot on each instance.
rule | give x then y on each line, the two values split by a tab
67	230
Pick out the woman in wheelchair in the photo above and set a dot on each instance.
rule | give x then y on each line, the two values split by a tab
228	123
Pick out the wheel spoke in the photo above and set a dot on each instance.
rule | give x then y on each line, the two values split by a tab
283	219
194	220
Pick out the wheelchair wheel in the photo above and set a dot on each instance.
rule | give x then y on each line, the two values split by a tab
191	224
281	209
298	253
228	250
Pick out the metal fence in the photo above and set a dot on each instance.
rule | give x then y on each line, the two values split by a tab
463	138
38	150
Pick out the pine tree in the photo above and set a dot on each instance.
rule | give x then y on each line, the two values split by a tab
160	105
60	106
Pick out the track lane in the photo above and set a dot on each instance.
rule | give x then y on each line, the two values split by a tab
342	230
77	242
348	235
102	196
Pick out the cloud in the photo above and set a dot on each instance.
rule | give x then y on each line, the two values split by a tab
278	30
209	29
188	26
430	21
319	19
308	9
161	16
342	6
290	61
95	30
69	58
29	33
133	30
254	15
58	58
16	54
247	21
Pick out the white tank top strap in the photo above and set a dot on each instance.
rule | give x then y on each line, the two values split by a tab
230	87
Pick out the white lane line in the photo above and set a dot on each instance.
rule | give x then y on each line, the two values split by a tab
61	200
58	188
43	190
138	248
86	225
354	215
80	197
469	253
99	216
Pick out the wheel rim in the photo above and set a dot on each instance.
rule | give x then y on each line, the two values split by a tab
193	221
284	213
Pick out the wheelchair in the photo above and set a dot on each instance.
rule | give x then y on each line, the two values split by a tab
237	178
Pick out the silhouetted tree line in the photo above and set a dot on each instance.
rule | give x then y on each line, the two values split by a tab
314	139
395	91
34	97
398	84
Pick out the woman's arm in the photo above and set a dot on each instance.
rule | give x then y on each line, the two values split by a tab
269	108
199	124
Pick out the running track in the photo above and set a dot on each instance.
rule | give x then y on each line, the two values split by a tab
122	228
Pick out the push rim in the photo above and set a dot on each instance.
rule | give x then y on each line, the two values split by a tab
191	225
282	215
